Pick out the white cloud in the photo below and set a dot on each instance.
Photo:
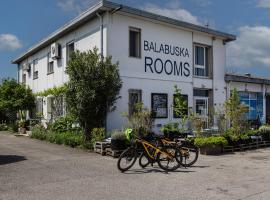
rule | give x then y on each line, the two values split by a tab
172	10
9	42
263	3
251	49
77	6
201	3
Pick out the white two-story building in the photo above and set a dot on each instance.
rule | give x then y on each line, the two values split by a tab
154	53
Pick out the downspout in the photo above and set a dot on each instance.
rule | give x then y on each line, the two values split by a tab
101	33
18	73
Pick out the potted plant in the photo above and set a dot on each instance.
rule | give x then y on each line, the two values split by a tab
211	145
118	141
22	126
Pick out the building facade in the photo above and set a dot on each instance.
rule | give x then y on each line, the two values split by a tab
155	53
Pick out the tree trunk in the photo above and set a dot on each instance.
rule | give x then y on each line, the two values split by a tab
87	132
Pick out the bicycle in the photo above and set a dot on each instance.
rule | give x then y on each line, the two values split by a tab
189	152
167	157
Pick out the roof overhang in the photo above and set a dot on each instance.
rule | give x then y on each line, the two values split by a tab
246	79
104	5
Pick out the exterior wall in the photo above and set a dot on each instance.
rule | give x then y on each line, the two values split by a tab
85	38
136	75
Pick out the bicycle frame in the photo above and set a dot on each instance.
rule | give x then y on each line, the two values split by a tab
147	146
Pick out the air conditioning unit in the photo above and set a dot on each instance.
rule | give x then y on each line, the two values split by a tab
27	67
55	51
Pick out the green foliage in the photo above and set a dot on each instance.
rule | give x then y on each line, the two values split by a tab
67	138
119	135
141	121
3	127
180	107
55	91
93	88
63	124
15	96
210	141
235	113
98	135
170	128
265	132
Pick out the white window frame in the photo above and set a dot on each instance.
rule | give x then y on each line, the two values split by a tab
35	70
207	105
204	57
139	50
50	60
67	50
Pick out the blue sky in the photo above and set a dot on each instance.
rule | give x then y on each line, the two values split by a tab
23	23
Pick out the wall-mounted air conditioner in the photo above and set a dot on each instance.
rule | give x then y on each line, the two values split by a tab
27	67
55	51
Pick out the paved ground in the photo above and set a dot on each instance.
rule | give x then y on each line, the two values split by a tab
33	170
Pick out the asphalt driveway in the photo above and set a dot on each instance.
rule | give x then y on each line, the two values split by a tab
33	170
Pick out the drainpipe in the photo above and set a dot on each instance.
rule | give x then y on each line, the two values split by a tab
18	73
101	33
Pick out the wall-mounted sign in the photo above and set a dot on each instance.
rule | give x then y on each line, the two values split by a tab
160	105
178	66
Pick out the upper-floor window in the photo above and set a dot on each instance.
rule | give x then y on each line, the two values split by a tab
70	50
35	69
134	42
201	60
50	64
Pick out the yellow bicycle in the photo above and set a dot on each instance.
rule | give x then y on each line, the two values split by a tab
167	157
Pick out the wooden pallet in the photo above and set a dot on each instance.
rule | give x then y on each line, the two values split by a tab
243	147
113	153
100	147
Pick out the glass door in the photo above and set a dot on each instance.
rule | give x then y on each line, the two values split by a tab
201	108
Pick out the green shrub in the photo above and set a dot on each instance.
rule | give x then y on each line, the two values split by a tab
38	132
118	135
63	124
265	132
3	127
170	128
72	139
13	127
210	141
98	135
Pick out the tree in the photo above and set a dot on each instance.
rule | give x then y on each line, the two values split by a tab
15	97
235	113
93	88
180	107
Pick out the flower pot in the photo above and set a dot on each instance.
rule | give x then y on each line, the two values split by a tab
211	150
118	144
22	130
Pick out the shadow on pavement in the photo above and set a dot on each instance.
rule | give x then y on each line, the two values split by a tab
7	159
156	170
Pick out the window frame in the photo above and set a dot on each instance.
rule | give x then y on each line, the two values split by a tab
24	78
49	61
204	67
137	30
67	50
133	91
35	71
152	105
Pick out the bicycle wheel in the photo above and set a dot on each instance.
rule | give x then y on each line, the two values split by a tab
143	161
171	162
127	159
190	155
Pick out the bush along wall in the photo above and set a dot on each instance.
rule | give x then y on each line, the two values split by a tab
62	132
211	145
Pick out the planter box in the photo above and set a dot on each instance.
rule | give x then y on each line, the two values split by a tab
22	130
211	150
118	144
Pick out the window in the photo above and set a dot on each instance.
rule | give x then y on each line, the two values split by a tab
24	78
201	60
35	69
135	42
159	105
135	96
201	106
185	111
254	101
50	64
70	50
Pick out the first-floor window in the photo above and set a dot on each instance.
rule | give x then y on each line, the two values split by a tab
70	48
159	105
50	69
135	97
201	60
39	105
201	106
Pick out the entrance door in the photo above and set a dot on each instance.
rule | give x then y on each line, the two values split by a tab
201	108
267	109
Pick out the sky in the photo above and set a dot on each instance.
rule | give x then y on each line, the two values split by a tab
25	22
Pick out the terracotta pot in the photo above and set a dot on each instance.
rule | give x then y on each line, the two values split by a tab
211	150
22	130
